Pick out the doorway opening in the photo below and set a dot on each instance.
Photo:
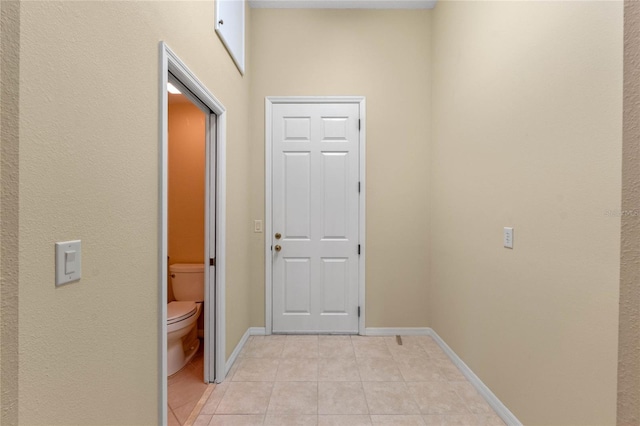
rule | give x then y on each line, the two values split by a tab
200	256
188	129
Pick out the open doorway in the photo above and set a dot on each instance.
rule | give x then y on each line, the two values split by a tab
187	179
192	224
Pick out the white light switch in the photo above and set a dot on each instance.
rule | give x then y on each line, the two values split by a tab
68	262
257	226
508	237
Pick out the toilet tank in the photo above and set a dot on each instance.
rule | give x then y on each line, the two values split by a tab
187	281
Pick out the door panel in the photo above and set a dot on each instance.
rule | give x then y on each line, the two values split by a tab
315	206
335	286
334	129
297	286
297	195
335	195
297	129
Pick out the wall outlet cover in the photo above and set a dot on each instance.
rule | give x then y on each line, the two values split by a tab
508	237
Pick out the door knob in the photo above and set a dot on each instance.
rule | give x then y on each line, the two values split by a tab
278	235
278	248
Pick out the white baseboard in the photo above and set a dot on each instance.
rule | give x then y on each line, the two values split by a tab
257	331
402	331
507	416
236	351
251	331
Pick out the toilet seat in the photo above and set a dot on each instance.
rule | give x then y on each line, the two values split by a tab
178	311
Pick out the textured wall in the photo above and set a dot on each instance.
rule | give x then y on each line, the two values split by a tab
383	55
527	112
629	341
89	170
9	202
535	88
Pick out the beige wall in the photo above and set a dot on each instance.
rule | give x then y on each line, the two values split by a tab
89	170
383	55
527	114
9	150
629	342
526	102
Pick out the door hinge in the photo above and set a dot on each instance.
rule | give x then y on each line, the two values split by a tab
359	124
358	311
271	248
212	261
358	186
358	249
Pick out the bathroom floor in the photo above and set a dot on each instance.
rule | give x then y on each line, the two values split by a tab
184	390
344	380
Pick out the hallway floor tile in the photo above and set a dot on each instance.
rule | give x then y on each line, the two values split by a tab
345	380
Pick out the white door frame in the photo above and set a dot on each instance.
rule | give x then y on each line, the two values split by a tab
214	312
268	263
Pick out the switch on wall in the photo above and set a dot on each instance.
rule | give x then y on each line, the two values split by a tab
68	262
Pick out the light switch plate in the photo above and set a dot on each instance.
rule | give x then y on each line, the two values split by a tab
508	237
68	258
257	226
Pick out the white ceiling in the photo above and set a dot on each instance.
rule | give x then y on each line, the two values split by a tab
343	4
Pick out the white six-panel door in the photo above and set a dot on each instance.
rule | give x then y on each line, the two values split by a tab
315	169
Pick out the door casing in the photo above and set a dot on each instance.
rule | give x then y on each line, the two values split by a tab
269	102
214	312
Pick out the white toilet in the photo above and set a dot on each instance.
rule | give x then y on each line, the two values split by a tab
187	281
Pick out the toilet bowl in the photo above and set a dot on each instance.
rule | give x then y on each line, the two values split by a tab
182	315
182	318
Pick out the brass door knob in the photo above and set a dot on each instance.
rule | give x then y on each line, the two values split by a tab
278	248
278	235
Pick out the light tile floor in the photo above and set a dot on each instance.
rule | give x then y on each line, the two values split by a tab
184	390
344	380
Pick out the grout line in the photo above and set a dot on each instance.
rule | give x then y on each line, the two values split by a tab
318	398
366	401
275	376
196	410
266	411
